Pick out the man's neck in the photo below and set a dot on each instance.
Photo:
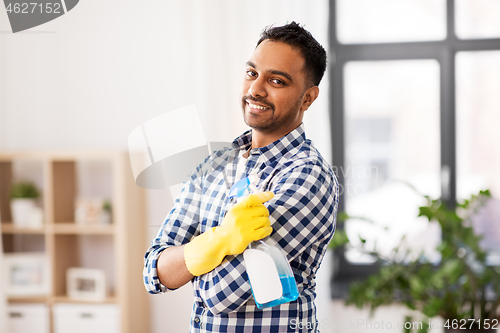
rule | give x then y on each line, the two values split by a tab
260	139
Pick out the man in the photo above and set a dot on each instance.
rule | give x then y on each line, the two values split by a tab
203	236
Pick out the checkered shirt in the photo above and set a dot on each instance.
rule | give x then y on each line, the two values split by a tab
302	214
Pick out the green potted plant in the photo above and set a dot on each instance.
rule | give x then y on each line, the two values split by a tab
462	288
23	197
106	212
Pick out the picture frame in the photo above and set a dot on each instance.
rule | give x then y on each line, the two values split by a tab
92	211
26	274
86	284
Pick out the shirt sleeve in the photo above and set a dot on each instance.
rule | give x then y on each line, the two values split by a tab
179	227
304	212
302	215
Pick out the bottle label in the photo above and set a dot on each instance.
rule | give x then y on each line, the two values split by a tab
263	276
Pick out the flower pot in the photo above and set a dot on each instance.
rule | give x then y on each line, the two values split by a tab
105	217
21	211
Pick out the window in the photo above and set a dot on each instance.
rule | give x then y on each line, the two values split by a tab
368	21
478	138
403	109
477	18
392	126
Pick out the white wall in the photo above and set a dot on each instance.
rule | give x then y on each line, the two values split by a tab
88	78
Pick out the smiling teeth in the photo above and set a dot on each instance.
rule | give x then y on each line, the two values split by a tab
257	106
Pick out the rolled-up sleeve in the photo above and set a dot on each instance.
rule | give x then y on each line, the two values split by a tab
226	288
179	227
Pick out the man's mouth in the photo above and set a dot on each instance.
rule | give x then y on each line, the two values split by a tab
257	107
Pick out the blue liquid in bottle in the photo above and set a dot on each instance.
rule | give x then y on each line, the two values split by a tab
269	272
290	292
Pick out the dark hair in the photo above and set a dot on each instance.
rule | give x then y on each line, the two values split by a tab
294	35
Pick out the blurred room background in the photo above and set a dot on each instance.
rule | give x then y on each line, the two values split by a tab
412	95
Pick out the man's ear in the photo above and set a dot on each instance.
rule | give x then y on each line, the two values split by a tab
309	96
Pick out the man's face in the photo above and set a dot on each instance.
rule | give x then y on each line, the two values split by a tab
273	89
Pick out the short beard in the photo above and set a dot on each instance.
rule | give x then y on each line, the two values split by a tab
274	124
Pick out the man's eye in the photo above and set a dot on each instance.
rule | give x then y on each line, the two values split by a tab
251	73
278	81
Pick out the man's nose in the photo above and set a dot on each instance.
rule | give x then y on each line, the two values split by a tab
257	88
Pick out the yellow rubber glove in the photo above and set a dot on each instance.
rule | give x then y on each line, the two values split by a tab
245	222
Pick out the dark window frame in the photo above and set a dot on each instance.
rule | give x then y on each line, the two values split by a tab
443	51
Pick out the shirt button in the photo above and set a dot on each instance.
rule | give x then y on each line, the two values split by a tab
196	320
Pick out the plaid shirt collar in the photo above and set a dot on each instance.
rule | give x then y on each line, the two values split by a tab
275	150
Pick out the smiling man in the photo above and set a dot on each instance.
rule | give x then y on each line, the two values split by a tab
204	235
276	91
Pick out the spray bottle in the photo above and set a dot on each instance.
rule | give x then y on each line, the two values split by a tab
270	275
